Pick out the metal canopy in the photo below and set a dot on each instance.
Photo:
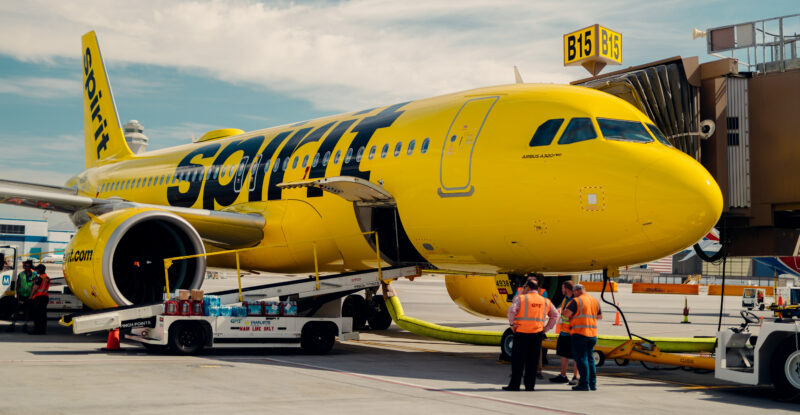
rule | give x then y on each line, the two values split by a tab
357	190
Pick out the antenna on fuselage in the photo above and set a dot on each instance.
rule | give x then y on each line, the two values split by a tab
517	76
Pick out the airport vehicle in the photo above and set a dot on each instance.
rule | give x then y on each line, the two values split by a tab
8	276
313	326
773	356
511	179
753	298
790	307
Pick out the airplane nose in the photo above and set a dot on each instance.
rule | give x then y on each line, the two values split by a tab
677	202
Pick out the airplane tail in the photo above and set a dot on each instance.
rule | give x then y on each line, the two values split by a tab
103	138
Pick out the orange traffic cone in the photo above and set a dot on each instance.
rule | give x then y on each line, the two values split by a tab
761	323
780	301
616	319
113	340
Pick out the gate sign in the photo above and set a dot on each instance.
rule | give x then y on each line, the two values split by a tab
593	47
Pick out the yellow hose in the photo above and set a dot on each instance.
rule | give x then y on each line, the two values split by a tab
493	338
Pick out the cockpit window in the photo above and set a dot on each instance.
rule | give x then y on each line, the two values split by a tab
624	130
659	135
578	129
546	132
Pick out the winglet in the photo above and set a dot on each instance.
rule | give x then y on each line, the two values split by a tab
103	138
517	76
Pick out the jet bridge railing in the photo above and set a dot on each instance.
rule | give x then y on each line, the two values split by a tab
169	261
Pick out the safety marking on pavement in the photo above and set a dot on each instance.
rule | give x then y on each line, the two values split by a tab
393	346
422	387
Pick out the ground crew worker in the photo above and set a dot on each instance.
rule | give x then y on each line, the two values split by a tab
40	298
530	316
583	312
24	287
563	345
542	352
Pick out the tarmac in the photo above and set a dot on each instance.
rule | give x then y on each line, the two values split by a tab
389	371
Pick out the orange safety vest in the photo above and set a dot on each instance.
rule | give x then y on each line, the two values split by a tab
45	285
584	322
532	313
563	326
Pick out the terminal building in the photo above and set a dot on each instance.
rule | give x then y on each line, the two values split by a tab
33	237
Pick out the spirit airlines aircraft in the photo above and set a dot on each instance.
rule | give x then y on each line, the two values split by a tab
509	179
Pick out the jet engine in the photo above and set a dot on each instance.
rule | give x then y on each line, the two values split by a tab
117	258
491	296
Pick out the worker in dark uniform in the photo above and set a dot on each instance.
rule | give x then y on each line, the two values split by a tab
39	299
583	312
530	316
24	289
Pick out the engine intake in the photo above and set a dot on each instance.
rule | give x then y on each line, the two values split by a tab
118	259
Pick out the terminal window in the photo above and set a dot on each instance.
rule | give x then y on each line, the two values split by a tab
13	229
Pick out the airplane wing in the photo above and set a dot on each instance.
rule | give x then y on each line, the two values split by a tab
224	229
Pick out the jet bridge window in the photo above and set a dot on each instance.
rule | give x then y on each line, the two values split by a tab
578	129
659	135
622	130
546	132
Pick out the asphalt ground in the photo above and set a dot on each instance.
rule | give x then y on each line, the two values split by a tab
390	371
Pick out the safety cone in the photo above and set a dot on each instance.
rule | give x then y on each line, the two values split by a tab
113	340
780	301
761	323
685	311
616	319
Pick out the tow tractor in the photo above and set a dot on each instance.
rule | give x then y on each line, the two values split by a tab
314	327
789	309
753	298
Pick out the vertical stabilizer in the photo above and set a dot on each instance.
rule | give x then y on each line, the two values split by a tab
103	138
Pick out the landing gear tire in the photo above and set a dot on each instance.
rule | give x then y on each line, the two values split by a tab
317	338
599	358
380	318
355	306
785	369
186	338
622	362
506	344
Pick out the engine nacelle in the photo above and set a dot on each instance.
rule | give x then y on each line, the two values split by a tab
116	259
487	296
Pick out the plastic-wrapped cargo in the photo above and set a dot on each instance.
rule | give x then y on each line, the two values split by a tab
272	308
212	311
211	301
225	311
289	308
238	311
254	309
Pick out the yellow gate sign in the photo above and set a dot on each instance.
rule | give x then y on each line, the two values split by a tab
593	47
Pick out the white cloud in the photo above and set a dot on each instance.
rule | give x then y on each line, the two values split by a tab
41	87
338	55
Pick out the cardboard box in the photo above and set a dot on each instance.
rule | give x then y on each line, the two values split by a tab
184	295
197	295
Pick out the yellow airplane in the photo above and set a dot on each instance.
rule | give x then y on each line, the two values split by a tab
508	179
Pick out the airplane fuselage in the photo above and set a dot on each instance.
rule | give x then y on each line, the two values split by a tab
471	192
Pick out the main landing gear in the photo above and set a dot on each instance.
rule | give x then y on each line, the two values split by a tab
370	310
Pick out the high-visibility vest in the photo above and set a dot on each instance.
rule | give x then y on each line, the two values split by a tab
43	287
542	292
532	313
563	325
584	321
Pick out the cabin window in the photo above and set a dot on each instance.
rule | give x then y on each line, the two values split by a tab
266	165
578	129
326	158
398	148
277	165
285	164
546	132
411	145
425	143
384	151
360	154
294	163
348	156
316	160
337	156
372	152
305	161
659	135
622	130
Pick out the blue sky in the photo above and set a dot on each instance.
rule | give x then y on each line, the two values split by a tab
184	67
